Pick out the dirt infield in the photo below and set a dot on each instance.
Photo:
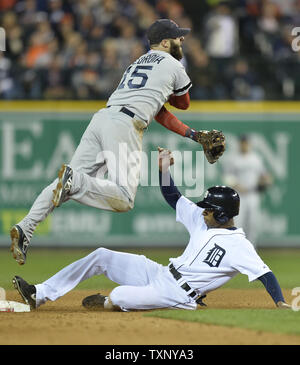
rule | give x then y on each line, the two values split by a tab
66	322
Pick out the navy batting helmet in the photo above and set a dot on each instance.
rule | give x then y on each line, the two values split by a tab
223	200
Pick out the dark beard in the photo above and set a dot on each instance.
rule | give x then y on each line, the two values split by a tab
176	51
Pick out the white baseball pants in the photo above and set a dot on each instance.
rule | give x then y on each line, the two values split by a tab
144	284
106	167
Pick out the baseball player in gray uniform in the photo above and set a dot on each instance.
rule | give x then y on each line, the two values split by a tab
104	171
216	252
246	173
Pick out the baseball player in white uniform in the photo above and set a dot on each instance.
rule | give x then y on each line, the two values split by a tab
104	171
247	174
216	252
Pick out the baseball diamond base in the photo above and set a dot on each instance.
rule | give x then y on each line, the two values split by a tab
66	322
12	306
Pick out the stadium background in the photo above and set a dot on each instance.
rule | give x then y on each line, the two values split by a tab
64	58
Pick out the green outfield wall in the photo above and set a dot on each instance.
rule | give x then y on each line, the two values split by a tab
36	138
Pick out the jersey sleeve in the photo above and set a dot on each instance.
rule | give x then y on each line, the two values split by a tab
247	261
170	121
189	214
182	82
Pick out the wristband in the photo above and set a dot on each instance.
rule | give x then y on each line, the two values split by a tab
191	133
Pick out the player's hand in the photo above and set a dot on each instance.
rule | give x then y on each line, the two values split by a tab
283	305
165	159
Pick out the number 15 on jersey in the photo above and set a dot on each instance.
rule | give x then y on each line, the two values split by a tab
136	79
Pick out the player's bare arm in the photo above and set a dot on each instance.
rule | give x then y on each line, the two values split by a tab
165	159
167	186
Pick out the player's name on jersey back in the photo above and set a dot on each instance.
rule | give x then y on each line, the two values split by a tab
151	58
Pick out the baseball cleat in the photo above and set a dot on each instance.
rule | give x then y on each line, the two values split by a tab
95	301
200	301
63	186
19	244
27	291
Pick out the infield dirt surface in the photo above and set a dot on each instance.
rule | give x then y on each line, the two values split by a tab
66	322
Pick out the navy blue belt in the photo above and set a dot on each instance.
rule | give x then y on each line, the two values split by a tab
185	286
125	111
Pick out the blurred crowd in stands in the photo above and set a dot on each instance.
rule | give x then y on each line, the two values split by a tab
64	49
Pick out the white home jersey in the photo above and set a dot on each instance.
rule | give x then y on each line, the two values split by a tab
148	83
213	256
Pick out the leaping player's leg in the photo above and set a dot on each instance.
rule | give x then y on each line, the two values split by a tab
22	232
84	180
121	147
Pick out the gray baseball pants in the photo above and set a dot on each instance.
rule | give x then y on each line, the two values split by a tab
106	167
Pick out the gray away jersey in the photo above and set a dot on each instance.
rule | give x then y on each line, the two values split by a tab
148	83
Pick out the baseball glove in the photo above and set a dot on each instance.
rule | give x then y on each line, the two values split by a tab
213	143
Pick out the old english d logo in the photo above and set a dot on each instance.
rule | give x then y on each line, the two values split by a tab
215	256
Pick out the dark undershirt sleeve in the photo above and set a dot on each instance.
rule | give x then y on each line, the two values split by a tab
168	189
272	286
